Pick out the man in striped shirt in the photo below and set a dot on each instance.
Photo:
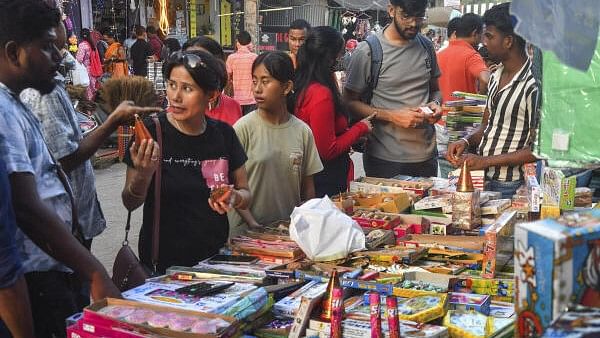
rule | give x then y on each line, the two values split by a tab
507	132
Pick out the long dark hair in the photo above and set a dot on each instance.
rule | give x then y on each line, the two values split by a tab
281	68
86	35
207	72
316	59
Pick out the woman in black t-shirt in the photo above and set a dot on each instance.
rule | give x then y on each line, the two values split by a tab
197	154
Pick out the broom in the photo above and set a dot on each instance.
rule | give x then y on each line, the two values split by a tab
132	88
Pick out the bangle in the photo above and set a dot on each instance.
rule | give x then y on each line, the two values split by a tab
466	141
134	195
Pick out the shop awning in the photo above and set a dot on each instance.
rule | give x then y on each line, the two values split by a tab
364	5
439	16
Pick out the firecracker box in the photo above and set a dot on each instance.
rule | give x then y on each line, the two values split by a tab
466	210
165	294
387	202
369	218
534	194
499	235
288	306
434	202
85	328
417	224
353	328
373	184
558	189
556	263
403	230
576	322
458	243
94	314
496	287
495	207
469	301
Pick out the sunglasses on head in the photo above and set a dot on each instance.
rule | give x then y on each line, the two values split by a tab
191	60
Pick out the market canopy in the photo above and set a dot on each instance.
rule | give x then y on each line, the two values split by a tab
363	5
438	16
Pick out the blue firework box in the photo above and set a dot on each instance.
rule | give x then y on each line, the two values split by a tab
557	263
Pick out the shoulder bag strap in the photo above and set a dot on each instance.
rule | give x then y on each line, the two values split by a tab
75	226
157	189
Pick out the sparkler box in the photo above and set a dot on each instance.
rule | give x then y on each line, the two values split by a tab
556	263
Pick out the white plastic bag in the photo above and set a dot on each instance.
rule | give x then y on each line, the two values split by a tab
80	75
323	232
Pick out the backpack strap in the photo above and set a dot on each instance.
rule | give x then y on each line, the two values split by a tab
428	46
376	61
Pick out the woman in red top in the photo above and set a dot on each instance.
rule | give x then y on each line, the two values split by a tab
318	102
224	109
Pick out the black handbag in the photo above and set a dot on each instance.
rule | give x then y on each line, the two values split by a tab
128	271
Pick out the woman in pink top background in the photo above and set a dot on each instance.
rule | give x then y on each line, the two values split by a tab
317	102
225	108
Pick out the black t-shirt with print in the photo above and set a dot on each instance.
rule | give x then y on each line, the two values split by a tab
139	52
189	229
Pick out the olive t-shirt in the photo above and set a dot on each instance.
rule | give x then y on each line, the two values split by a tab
279	157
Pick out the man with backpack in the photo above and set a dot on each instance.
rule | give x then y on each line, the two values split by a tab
394	74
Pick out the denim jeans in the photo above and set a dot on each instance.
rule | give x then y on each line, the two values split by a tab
444	167
54	297
375	167
584	176
508	189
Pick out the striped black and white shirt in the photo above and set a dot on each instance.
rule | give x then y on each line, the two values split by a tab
512	121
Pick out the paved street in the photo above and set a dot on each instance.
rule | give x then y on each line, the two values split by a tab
109	183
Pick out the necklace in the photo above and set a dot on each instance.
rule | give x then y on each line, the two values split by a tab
202	127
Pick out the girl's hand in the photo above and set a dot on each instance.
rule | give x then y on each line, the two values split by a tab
226	201
145	157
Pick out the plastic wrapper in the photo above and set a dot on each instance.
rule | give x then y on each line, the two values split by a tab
558	17
568	118
324	232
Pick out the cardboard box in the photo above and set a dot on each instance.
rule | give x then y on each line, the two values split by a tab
494	207
466	210
556	263
434	202
367	218
558	190
387	202
534	194
577	322
469	301
466	243
288	306
422	224
438	280
373	184
502	230
91	314
163	294
360	329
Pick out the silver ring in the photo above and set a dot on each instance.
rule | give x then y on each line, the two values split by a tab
154	158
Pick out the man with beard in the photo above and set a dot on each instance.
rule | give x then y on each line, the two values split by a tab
403	137
504	139
48	249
